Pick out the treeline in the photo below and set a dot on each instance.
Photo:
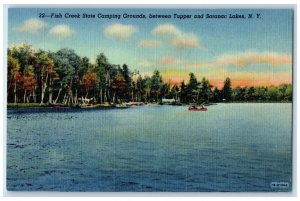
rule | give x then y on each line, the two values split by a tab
63	77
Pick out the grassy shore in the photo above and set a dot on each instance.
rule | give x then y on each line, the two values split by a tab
38	105
25	105
35	105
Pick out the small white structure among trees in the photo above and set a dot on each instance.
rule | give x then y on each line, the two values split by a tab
168	101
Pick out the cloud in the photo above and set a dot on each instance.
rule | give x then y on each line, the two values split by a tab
145	63
249	58
120	31
31	26
62	31
149	43
185	41
168	60
179	39
166	29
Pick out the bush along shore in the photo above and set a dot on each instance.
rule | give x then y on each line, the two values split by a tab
64	79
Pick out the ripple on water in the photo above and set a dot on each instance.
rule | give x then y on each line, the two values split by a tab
231	147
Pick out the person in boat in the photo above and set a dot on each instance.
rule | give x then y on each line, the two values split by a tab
202	106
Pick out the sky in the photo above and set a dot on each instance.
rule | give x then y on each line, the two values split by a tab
252	52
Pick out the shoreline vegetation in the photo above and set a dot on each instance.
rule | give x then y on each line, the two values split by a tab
128	105
38	78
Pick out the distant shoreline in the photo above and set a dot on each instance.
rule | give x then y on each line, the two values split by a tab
107	106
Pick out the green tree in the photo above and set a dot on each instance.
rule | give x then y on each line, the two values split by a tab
239	94
174	92
260	94
24	53
103	72
193	89
249	94
13	67
147	87
126	75
183	92
227	90
67	64
216	95
156	84
140	84
133	85
289	93
272	93
85	66
165	90
205	90
285	92
47	74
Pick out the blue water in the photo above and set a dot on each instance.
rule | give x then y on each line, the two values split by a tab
230	147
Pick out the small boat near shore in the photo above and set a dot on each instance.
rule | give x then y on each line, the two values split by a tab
194	108
134	104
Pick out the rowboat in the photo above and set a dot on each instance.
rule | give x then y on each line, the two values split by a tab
192	108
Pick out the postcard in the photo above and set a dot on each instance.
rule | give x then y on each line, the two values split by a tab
149	99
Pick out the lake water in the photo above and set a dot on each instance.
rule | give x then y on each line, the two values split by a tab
230	147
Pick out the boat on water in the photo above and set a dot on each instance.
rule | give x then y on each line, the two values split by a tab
134	104
194	108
